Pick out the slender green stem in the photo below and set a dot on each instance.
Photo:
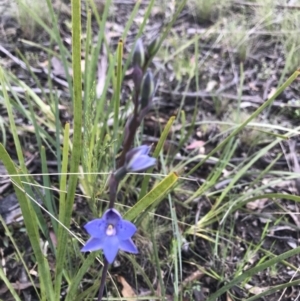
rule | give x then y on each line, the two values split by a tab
103	278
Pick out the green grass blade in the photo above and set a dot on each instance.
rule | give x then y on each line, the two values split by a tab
158	265
46	182
274	289
242	171
163	37
12	122
62	49
63	177
283	196
76	150
75	283
117	94
155	194
63	189
4	278
91	68
254	115
58	130
19	254
31	224
253	271
217	172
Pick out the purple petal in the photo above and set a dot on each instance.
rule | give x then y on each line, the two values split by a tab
128	246
112	216
137	151
96	227
143	150
111	248
141	163
93	244
125	230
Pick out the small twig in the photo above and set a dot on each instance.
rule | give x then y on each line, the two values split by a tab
32	69
247	98
18	61
35	90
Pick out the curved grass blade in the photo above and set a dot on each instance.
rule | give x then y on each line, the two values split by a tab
274	289
31	224
181	6
62	193
253	271
20	258
154	195
117	94
75	283
11	289
268	102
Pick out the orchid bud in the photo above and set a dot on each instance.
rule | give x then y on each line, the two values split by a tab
139	54
147	89
137	76
153	46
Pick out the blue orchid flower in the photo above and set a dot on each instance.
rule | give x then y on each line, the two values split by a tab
137	159
110	233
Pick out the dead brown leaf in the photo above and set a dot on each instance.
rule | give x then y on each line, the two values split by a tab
255	290
211	85
127	290
58	67
257	204
197	144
